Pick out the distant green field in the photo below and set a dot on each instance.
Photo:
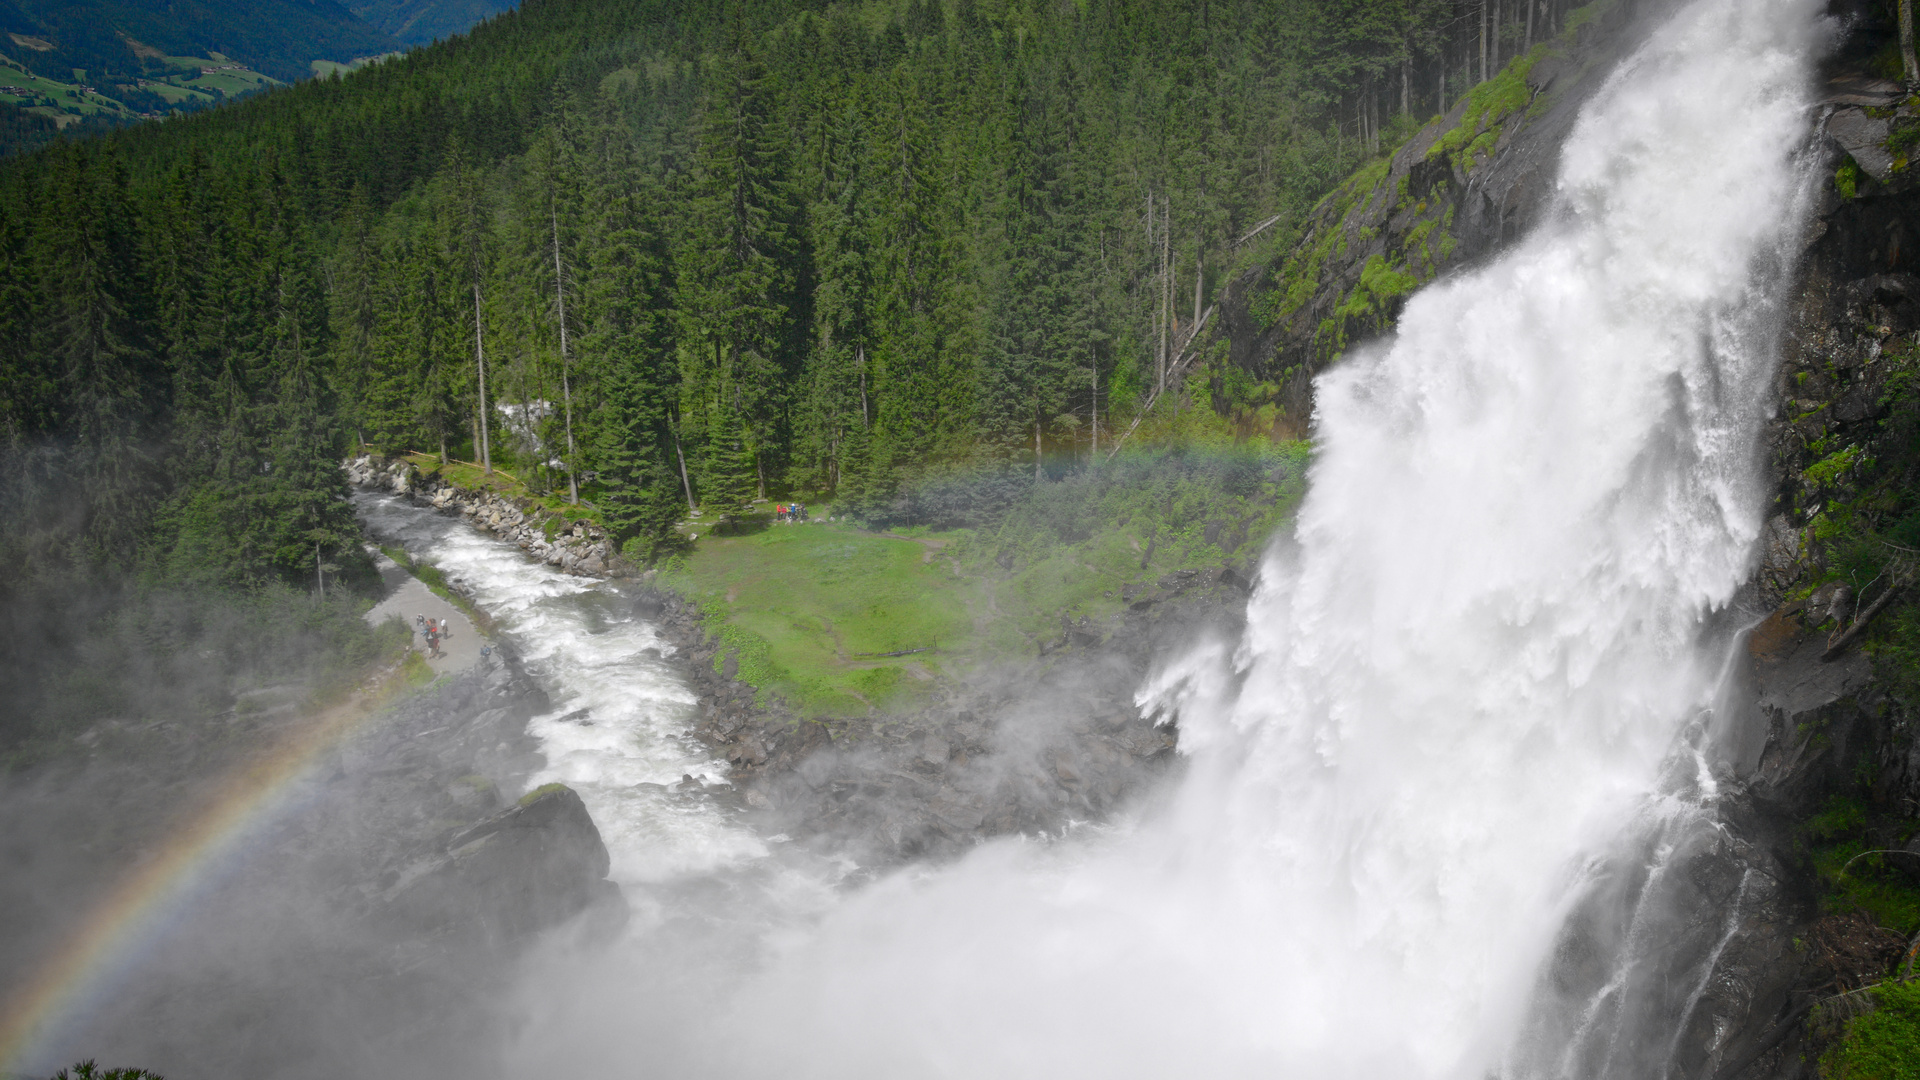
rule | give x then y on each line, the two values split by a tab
68	99
189	85
803	609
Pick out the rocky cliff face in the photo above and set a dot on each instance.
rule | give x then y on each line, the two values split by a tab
1826	719
1467	183
362	922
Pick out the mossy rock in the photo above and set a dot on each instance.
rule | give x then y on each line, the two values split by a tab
542	792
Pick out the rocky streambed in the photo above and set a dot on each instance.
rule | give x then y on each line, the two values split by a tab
572	545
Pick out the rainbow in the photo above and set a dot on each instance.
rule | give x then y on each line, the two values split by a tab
154	895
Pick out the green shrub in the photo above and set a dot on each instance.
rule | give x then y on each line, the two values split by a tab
1883	1044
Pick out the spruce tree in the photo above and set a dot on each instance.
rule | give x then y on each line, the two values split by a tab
728	475
96	336
627	347
735	277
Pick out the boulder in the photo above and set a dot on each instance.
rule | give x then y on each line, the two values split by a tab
527	869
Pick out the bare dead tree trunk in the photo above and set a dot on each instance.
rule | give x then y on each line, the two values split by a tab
1199	279
1906	43
480	365
1483	40
566	380
860	362
1497	62
1166	287
1036	451
685	484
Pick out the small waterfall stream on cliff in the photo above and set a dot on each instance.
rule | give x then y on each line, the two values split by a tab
1478	671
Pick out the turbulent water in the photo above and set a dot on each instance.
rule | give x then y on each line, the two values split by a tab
1466	676
617	733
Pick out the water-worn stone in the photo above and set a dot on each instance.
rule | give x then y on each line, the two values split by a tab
576	547
521	871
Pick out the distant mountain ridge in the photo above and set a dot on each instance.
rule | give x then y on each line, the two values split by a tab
420	22
79	65
105	38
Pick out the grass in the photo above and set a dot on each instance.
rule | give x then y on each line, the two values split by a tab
1840	840
188	85
68	99
804	611
543	789
1883	1044
795	605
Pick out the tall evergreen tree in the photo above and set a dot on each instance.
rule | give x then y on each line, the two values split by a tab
96	335
735	274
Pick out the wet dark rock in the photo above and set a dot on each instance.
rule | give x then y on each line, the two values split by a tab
1029	750
526	869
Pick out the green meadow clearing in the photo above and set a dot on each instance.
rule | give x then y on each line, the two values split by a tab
807	612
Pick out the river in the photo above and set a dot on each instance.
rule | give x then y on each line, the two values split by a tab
618	731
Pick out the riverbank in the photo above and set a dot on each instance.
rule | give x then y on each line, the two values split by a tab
905	694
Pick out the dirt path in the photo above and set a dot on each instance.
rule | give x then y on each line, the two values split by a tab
407	597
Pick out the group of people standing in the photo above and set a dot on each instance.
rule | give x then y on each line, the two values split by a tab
789	513
435	631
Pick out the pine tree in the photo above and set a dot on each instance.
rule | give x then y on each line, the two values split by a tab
628	347
355	308
728	475
839	397
466	237
734	274
95	335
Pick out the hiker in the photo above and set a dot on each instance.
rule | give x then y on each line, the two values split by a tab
433	640
799	512
780	513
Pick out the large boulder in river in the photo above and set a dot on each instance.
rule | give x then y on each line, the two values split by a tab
521	871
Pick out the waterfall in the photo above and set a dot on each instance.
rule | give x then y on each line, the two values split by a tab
1465	677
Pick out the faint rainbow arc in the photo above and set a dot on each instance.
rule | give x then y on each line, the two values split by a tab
140	903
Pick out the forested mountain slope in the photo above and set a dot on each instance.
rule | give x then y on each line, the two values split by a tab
659	253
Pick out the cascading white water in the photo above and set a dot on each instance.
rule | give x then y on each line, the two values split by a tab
629	711
1459	683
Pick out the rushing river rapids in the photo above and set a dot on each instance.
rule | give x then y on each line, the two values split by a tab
617	733
1478	669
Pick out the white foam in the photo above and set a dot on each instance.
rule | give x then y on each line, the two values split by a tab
580	635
